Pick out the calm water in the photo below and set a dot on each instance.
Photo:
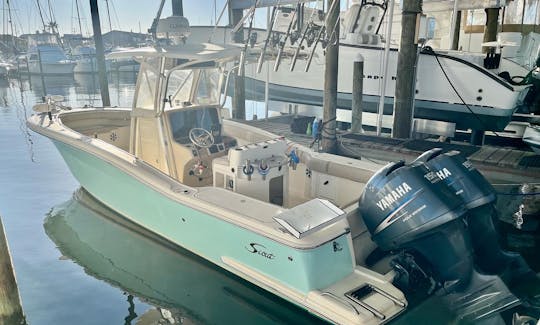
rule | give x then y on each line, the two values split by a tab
76	265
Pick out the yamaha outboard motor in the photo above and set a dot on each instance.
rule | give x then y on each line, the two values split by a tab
479	197
410	208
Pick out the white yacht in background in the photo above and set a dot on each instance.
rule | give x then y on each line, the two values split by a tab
121	64
46	56
85	59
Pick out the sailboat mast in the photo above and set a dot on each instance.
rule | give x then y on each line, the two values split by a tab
79	17
52	23
41	15
11	26
109	15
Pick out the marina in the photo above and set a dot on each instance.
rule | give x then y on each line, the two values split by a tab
235	174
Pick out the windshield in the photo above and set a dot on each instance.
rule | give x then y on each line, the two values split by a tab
193	87
182	121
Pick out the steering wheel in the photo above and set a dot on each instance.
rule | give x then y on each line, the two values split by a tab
201	137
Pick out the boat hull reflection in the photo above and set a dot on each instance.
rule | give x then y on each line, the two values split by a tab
112	249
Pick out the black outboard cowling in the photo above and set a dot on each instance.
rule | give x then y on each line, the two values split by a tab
409	207
461	176
479	197
410	210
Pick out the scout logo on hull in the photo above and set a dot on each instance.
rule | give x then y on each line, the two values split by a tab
394	195
255	248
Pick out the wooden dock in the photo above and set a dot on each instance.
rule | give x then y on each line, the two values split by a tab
502	163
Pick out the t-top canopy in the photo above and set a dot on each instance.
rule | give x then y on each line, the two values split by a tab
194	53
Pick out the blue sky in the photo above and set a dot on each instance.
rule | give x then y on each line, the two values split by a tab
125	14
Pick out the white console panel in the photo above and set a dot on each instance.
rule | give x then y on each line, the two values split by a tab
258	170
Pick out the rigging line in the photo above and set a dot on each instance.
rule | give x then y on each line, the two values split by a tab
40	14
217	22
11	25
71	28
115	15
23	127
79	16
108	14
54	26
459	95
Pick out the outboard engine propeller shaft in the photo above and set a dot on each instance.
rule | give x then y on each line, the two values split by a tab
410	208
479	197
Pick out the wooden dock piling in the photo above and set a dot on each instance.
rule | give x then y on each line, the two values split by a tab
405	79
239	95
358	89
329	140
10	303
100	55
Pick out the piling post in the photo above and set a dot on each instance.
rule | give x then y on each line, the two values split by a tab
328	141
457	28
177	8
100	54
405	79
492	22
10	303
239	96
358	88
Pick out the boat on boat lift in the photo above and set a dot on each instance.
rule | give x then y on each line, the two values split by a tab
452	86
301	224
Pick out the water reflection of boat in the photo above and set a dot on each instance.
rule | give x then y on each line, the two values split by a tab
163	274
86	83
54	84
85	58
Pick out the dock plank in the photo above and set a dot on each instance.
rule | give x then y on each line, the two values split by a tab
512	159
508	161
497	156
483	154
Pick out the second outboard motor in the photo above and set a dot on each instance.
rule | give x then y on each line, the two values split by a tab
479	198
410	208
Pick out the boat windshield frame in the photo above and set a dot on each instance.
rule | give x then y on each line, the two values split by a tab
196	76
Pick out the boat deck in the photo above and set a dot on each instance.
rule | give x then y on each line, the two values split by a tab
502	163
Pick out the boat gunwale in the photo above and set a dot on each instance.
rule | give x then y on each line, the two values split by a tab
171	188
